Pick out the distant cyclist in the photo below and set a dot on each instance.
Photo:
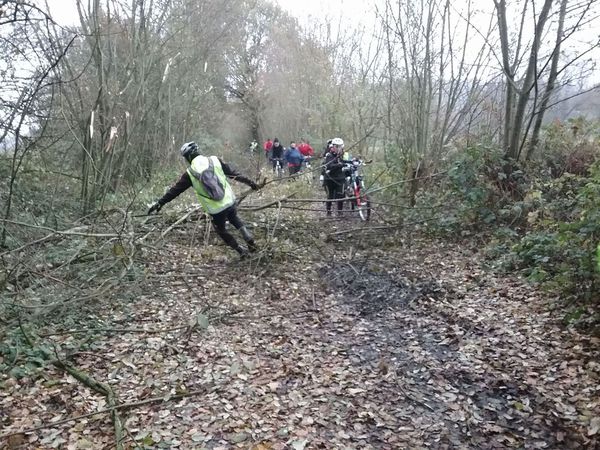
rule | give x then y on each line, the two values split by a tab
276	153
307	151
253	146
294	158
267	146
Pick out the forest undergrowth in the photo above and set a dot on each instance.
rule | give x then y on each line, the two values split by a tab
149	333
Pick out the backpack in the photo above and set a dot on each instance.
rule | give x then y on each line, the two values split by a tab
210	181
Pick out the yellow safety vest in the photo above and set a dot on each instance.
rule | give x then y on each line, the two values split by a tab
200	164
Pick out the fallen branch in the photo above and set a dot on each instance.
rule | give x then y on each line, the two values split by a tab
119	407
29	244
382	227
277	219
98	293
323	200
241	197
70	232
275	203
185	216
365	228
407	180
294	176
87	380
115	330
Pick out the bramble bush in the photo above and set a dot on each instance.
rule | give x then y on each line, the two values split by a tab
560	247
541	217
481	190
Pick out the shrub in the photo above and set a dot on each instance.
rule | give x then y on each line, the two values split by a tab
560	250
570	146
482	189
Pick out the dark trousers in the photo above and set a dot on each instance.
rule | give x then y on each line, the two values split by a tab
294	169
220	220
335	190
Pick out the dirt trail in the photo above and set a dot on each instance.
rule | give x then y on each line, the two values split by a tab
374	342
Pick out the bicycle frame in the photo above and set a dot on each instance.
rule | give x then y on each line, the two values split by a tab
278	169
356	185
355	191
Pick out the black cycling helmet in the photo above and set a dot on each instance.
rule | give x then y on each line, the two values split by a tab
189	151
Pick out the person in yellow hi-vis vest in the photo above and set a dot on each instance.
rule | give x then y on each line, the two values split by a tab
208	176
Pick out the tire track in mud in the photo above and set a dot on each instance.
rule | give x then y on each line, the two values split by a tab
456	362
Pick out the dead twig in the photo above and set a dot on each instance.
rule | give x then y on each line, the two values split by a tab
87	380
98	293
182	219
294	176
119	407
115	330
71	232
275	203
30	244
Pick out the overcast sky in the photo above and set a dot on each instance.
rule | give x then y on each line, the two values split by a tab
355	13
354	9
64	10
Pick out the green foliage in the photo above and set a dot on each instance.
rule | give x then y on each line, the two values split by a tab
570	146
468	188
539	221
481	190
19	359
560	250
40	196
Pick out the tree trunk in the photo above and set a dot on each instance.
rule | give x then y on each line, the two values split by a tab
514	124
535	135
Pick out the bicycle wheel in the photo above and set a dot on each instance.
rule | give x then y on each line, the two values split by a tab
364	207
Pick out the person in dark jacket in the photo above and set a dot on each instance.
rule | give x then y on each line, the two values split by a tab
327	148
276	152
334	174
294	158
214	194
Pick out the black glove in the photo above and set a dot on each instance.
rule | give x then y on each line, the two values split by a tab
155	207
253	186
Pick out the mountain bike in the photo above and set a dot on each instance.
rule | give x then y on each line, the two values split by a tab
278	170
354	189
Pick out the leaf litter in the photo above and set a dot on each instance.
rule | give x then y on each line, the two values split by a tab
407	343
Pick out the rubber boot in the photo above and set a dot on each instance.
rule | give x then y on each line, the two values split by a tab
248	238
242	251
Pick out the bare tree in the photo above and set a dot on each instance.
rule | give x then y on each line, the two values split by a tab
248	62
28	81
581	14
516	105
434	82
142	81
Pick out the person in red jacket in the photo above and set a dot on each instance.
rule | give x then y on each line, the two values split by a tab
306	149
268	145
